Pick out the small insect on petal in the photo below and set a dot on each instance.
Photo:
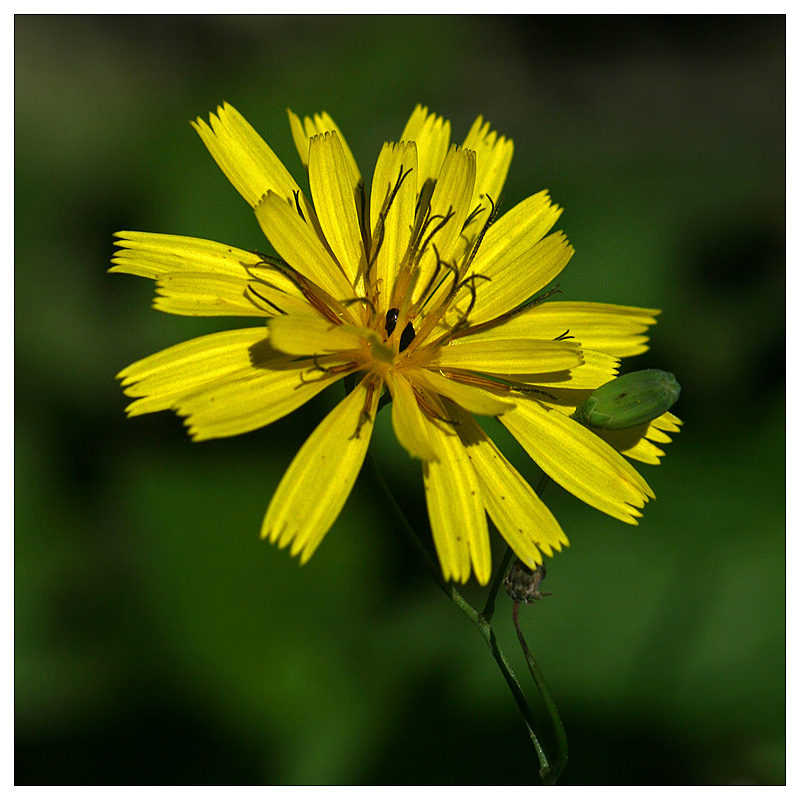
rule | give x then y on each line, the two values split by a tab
629	400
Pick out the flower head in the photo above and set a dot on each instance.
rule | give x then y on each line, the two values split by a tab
417	287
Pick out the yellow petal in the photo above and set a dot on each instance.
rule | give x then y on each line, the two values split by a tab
455	509
201	277
392	206
637	443
522	279
161	378
516	259
506	357
335	198
493	154
597	369
432	135
492	160
263	294
245	158
449	207
301	138
523	520
617	330
198	294
635	447
657	435
252	397
303	132
300	246
319	479
578	460
307	335
152	254
408	420
469	398
667	422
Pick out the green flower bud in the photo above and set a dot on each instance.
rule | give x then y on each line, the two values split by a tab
630	400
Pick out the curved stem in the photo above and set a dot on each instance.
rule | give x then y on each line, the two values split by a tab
478	620
488	609
562	751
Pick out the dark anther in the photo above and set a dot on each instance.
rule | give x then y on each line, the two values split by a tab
407	336
391	320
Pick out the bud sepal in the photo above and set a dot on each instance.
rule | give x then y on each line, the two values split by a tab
630	400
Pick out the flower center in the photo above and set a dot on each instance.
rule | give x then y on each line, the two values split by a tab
408	334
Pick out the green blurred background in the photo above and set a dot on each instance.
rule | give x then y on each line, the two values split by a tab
159	641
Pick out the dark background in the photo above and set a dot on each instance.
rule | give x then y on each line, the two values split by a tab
159	641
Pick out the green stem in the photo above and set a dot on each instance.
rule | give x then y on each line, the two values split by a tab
488	609
562	751
478	620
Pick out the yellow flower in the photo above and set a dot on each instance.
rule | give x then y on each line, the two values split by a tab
414	287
